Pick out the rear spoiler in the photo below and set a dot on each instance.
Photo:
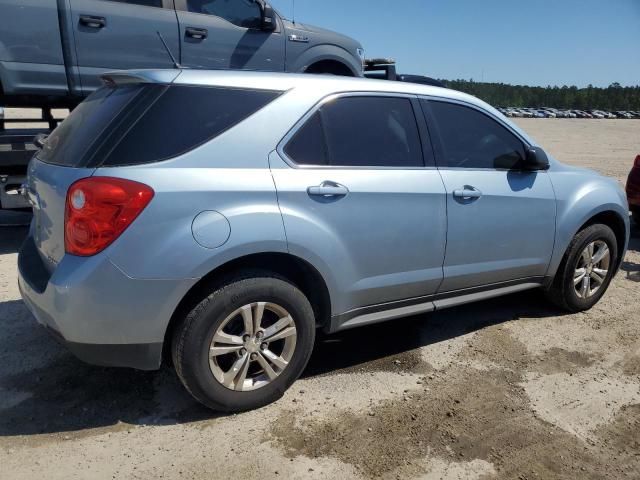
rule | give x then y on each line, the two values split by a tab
385	69
140	76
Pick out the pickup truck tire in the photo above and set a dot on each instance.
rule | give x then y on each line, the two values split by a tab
229	366
586	269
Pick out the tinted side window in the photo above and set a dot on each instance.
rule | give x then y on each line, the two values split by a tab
360	132
308	146
471	139
183	118
144	3
244	13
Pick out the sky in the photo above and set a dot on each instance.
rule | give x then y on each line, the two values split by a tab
523	42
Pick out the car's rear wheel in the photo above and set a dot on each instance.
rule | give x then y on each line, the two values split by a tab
586	270
244	345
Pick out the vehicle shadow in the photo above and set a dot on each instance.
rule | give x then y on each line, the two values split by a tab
44	389
11	239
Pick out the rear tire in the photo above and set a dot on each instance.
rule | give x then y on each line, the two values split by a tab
635	216
245	344
586	269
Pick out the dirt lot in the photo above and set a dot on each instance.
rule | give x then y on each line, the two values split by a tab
509	388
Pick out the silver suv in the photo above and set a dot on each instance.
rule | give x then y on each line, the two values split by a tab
225	217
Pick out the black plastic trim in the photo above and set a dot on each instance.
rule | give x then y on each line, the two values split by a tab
140	356
32	267
338	320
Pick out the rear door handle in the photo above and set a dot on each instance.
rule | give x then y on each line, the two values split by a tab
93	22
467	192
197	33
328	189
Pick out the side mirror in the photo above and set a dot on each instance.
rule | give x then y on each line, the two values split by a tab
536	159
269	23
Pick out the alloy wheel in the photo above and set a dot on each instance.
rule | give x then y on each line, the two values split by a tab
252	346
592	269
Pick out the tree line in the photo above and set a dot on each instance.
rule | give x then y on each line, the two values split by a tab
614	97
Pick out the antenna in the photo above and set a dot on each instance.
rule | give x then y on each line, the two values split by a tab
293	7
173	59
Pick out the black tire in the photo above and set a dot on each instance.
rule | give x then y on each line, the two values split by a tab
635	216
192	340
562	292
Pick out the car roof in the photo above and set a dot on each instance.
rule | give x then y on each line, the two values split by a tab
318	86
282	82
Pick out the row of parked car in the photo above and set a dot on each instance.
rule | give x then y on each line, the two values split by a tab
559	113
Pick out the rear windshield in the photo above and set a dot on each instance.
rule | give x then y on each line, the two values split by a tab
137	124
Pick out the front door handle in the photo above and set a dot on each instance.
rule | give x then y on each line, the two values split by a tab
197	33
467	192
93	22
328	189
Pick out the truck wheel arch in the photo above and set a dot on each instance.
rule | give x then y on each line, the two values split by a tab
330	67
325	57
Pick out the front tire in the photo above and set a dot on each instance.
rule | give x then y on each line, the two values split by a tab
586	270
245	344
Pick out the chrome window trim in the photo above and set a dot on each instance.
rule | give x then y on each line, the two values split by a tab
329	98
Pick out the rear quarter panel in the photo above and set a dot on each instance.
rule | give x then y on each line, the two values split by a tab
229	175
160	244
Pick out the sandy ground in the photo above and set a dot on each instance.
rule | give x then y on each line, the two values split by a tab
509	388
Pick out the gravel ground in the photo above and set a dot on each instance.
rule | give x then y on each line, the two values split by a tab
509	388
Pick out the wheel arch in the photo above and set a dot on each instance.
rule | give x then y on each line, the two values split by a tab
333	67
608	214
326	53
615	222
300	272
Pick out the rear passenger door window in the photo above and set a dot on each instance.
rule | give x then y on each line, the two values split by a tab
359	132
471	139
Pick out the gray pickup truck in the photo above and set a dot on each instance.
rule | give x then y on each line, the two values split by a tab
52	53
55	50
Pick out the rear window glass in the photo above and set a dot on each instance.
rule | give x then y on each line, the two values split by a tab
69	142
150	123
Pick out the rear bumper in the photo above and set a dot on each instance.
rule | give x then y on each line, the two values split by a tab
101	315
141	356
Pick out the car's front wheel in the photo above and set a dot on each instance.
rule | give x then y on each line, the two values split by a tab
244	344
586	270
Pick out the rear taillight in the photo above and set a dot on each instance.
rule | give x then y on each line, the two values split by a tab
636	164
98	210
